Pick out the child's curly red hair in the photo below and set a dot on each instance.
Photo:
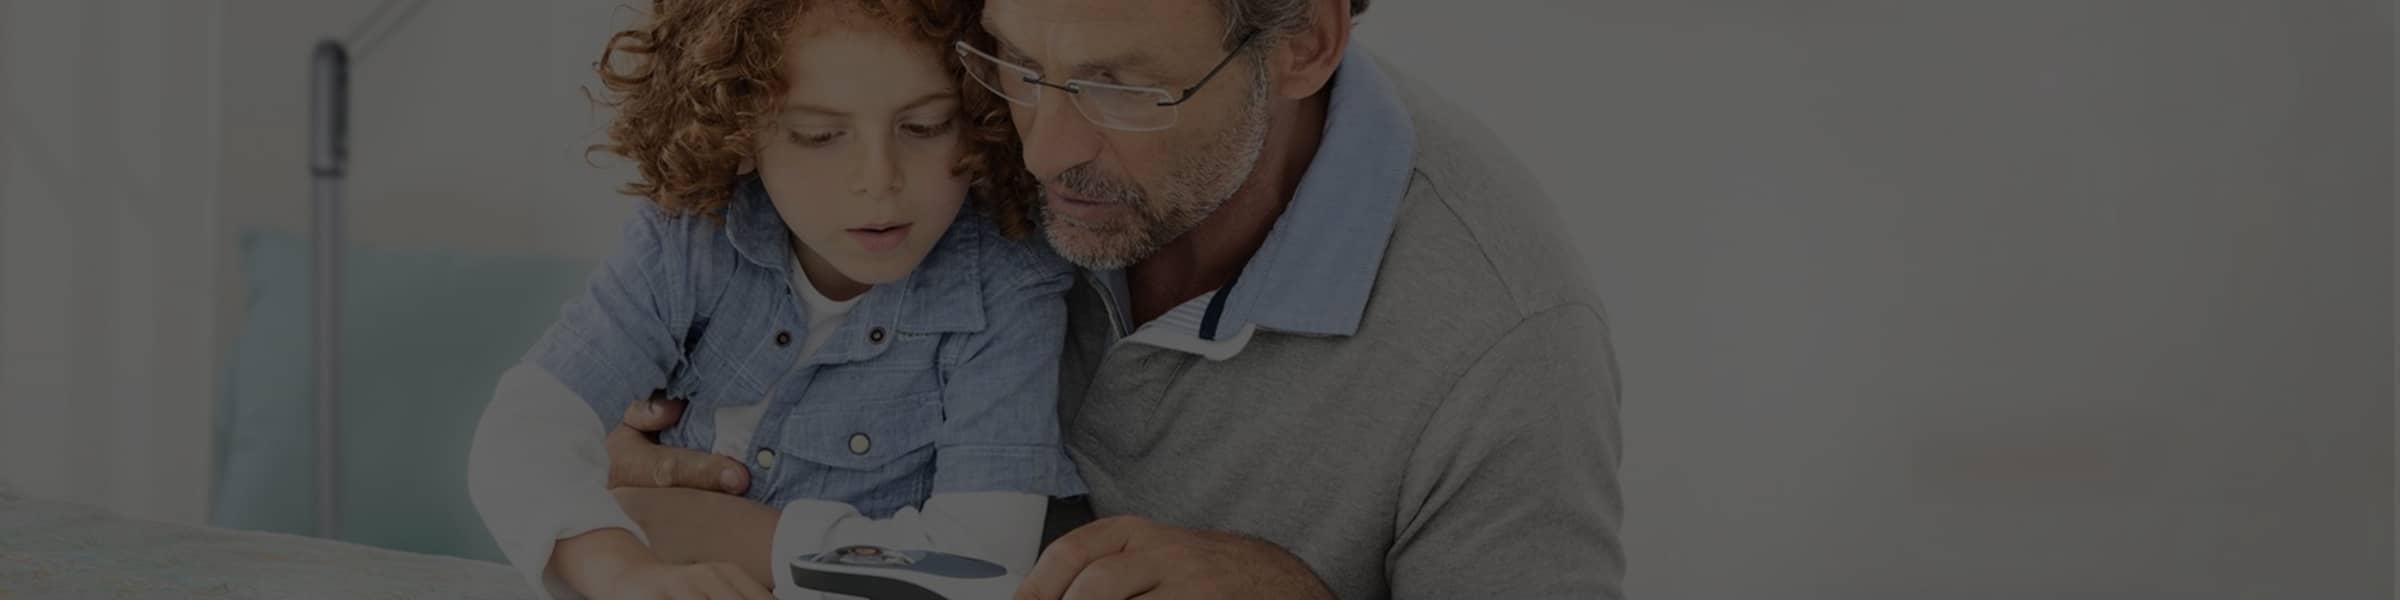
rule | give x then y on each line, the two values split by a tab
704	80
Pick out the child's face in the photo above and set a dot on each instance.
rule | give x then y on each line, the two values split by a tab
859	163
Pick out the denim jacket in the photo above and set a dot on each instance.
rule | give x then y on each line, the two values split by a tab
944	382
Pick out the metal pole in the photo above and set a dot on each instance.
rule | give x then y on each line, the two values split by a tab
328	158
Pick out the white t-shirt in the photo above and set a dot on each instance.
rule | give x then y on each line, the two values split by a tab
736	424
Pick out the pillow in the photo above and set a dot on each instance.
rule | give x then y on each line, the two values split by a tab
425	337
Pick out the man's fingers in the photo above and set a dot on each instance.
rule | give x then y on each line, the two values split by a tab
653	414
684	589
631	458
713	586
698	470
1066	558
742	584
706	471
1119	576
637	462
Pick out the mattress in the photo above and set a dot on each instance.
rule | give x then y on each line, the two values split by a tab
53	550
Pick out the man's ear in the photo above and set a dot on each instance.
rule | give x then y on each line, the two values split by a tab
1305	61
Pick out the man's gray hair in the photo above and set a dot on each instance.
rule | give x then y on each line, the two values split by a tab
1271	18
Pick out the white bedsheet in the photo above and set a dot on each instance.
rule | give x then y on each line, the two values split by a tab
52	550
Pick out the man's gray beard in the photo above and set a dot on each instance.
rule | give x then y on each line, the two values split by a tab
1200	184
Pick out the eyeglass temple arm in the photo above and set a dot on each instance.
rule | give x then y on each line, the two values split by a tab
1038	81
1212	72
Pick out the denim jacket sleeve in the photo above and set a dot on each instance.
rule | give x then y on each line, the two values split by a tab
621	338
1000	429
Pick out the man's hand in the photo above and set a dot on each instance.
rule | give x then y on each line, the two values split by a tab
610	564
636	460
689	526
687	500
663	581
1124	557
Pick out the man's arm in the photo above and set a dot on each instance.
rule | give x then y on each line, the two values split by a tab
1512	490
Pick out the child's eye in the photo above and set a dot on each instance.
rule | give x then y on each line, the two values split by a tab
933	130
812	140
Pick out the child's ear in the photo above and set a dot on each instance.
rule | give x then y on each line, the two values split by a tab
749	165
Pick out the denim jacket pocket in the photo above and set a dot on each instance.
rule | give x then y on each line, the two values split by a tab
894	434
877	455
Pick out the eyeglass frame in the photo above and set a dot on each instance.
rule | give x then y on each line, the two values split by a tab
1076	86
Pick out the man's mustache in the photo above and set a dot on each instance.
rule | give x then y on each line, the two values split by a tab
1087	183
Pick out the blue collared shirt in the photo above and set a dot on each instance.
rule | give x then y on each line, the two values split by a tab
944	382
1313	274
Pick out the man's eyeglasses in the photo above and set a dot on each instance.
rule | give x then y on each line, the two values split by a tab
1119	107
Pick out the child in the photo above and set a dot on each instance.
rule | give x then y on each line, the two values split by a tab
881	363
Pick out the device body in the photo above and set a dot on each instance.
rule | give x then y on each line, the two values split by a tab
878	573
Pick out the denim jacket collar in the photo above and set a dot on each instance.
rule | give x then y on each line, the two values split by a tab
942	295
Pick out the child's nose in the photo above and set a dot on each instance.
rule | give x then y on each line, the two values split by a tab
878	172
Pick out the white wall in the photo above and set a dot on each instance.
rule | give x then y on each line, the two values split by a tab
107	172
2062	299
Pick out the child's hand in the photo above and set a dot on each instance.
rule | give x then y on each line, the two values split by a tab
662	581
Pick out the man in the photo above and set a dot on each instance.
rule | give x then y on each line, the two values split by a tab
1329	342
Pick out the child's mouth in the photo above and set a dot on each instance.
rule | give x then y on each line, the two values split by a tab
880	238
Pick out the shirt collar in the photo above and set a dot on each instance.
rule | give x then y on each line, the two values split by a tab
944	294
756	230
1313	274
